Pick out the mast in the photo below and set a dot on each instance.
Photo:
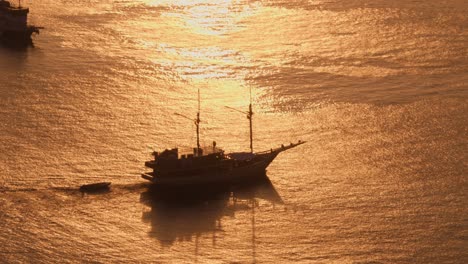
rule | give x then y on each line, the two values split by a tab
249	116
197	123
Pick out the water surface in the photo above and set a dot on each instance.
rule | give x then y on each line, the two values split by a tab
378	89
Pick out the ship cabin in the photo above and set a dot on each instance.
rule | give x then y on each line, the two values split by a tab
170	161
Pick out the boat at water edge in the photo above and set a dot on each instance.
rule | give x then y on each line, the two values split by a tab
95	187
14	28
212	166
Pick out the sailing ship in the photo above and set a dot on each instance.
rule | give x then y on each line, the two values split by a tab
14	28
214	167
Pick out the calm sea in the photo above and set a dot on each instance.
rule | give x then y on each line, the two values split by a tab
378	88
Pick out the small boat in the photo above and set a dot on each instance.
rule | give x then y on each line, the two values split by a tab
95	187
207	167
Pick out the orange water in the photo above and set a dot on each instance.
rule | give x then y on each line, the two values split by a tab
378	89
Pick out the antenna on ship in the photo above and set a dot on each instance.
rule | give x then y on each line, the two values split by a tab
249	116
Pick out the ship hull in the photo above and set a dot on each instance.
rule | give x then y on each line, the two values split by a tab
251	171
236	168
17	37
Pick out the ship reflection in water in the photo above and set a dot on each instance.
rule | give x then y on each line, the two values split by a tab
184	215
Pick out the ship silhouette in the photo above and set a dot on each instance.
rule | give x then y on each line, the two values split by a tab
14	28
212	166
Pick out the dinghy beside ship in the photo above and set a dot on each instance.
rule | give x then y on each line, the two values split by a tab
95	187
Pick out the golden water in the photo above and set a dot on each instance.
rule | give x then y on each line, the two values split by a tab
378	89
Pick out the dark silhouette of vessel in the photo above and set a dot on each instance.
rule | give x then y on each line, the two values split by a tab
14	28
210	166
95	187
